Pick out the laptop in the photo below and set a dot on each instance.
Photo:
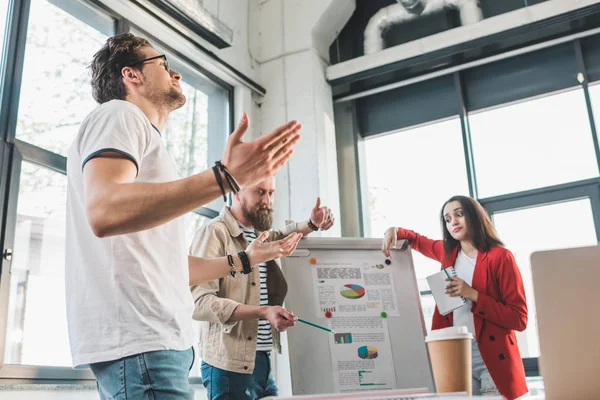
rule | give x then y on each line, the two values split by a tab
566	285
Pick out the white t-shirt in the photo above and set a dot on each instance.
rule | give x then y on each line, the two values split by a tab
126	294
465	267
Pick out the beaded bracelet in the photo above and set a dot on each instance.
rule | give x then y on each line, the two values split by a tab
231	265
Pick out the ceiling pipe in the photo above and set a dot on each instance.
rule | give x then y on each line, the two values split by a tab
413	6
408	10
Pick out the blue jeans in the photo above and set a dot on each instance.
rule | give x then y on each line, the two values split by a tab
483	385
221	384
160	375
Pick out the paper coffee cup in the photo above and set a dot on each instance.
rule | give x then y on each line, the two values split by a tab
450	355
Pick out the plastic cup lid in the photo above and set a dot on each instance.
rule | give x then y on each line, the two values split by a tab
452	332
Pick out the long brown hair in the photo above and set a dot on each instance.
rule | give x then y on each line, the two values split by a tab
479	226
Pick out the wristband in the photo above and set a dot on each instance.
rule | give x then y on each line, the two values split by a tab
235	187
247	268
219	181
231	265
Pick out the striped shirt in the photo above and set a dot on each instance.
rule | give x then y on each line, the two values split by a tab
265	336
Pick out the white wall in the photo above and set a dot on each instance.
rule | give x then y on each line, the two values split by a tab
234	14
289	41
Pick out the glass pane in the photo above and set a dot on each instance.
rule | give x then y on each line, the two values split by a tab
535	384
37	321
528	145
56	92
186	132
594	90
193	222
532	229
410	175
428	306
3	20
195	134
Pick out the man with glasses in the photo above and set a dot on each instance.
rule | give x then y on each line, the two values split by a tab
129	307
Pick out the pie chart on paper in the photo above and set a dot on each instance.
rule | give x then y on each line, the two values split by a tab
367	352
352	291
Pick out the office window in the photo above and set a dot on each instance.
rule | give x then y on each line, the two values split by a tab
410	175
195	134
37	325
3	20
55	97
594	90
193	222
195	137
537	228
55	90
186	132
533	144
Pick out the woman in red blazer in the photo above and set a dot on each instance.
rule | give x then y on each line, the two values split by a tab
490	280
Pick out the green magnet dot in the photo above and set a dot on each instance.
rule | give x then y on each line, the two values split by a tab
383	314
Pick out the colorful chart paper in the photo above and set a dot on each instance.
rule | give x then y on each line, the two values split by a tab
352	291
367	352
343	338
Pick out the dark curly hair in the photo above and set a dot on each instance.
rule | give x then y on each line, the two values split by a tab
118	52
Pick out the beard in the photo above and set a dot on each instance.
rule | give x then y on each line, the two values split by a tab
260	219
174	99
170	100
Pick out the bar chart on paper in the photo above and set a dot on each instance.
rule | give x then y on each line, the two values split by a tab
343	338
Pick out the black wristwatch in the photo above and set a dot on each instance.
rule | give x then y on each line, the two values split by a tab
246	267
311	225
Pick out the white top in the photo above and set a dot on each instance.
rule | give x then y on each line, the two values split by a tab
465	267
126	294
264	339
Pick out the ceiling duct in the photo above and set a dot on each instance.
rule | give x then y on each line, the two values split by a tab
408	10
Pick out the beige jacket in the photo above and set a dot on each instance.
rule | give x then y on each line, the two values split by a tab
232	345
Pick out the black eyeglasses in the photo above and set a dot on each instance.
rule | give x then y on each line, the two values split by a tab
163	56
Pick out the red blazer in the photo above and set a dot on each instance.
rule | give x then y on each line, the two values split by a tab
501	309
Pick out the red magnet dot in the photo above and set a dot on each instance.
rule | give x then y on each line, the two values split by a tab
328	314
313	261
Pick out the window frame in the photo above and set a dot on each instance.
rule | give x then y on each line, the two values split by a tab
587	188
214	147
362	157
14	151
25	152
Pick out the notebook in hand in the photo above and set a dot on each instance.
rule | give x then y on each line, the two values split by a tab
437	284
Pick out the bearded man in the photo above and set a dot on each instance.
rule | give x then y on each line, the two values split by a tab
241	314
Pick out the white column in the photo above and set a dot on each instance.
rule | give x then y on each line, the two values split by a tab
290	39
